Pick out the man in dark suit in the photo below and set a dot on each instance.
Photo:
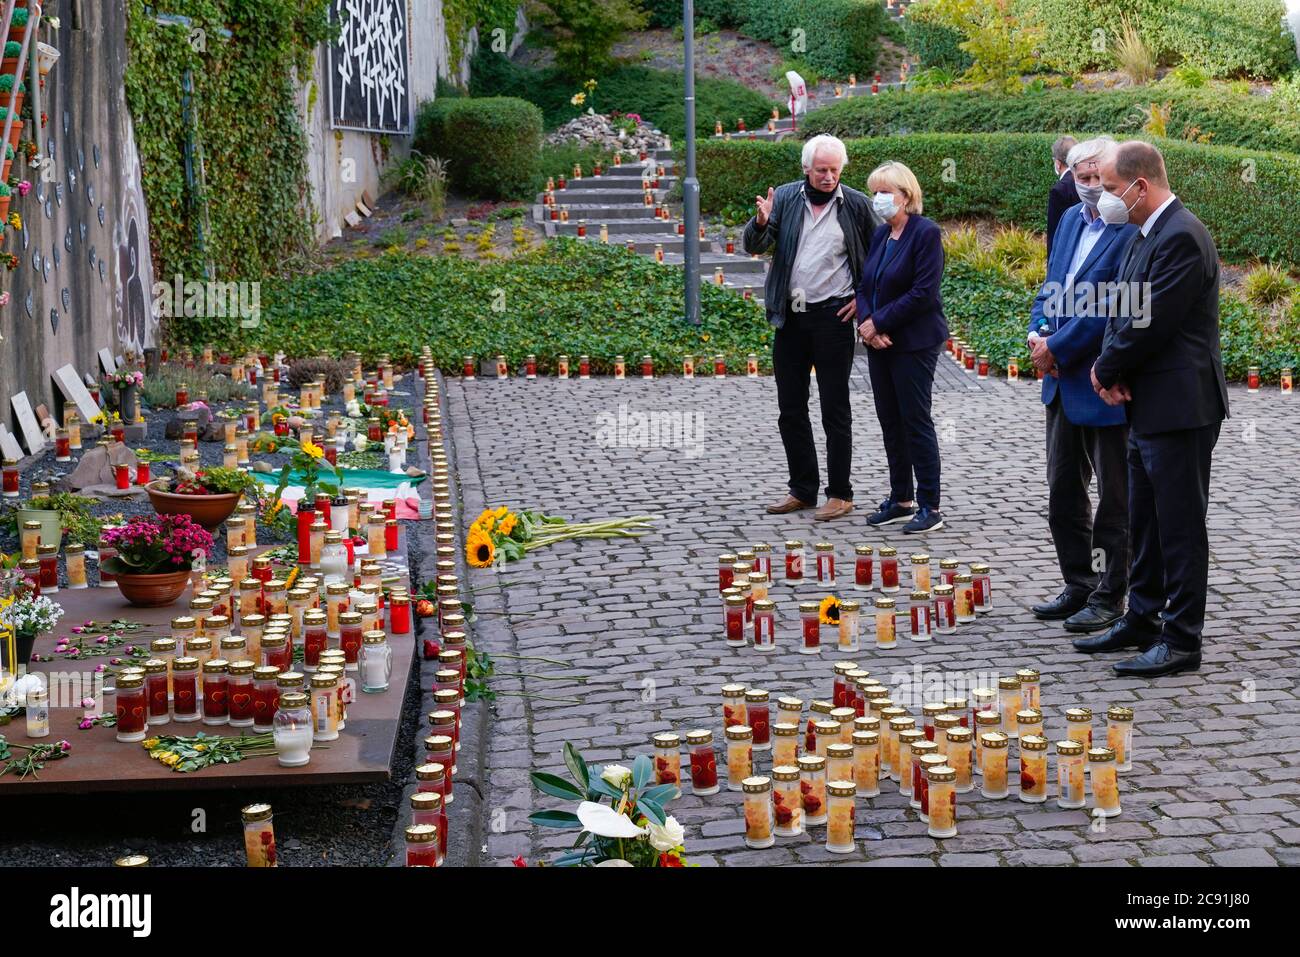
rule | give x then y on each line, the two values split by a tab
1062	195
1085	436
1160	358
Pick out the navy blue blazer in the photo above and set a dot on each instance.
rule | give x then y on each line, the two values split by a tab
909	308
1075	340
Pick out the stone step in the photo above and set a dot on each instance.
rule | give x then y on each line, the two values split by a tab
731	265
638	170
618	226
590	184
603	195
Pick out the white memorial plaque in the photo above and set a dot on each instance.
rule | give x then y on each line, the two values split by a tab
9	446
73	390
107	362
32	433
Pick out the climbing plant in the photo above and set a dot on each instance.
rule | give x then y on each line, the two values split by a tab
247	211
461	16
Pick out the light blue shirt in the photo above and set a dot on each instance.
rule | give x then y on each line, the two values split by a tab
1094	226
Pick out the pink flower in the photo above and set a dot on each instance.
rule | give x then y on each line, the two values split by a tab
73	652
99	667
114	661
87	702
24	187
102	640
77	629
85	724
65	746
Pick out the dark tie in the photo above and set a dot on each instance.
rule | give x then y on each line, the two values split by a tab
1131	255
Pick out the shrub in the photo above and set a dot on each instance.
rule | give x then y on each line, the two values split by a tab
1132	55
159	389
1250	201
1222	37
1268	285
565	296
1255	122
655	94
933	42
491	144
334	371
583	32
422	177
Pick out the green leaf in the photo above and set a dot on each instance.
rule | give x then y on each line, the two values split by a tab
652	810
555	786
576	765
600	787
642	771
659	792
560	819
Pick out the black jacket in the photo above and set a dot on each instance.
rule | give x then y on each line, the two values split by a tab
1062	196
908	305
857	221
1168	352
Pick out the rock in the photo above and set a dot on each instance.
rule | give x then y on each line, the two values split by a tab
265	467
201	416
596	129
96	466
459	221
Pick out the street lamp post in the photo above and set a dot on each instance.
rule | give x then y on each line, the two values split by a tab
691	185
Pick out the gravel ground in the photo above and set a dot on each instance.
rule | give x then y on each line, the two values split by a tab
327	825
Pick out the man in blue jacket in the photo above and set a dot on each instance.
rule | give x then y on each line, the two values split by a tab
1085	436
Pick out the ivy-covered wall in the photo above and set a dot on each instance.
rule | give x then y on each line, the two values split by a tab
243	210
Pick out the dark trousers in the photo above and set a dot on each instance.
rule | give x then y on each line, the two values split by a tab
815	337
1092	551
1169	493
901	384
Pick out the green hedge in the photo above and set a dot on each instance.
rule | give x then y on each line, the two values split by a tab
492	145
1223	37
990	310
1250	201
566	296
1235	119
933	43
655	94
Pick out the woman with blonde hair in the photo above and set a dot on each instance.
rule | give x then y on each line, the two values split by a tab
900	316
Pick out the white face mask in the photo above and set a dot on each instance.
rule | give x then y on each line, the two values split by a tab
884	205
1111	208
1088	194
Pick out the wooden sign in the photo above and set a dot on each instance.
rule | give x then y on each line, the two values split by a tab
32	435
9	447
107	362
74	390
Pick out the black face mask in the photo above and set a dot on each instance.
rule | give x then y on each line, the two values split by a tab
816	196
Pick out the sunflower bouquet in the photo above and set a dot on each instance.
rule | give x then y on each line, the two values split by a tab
308	464
513	534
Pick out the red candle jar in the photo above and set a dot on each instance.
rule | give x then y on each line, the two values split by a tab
155	687
584	367
735	618
182	396
467	366
11	478
266	697
433	777
281	428
647	367
421	845
968	360
62	446
825	554
241	694
863	577
530	361
119	433
726	575
142	473
1252	379
704	763
390	534
810	613
106	552
948	570
262	570
794	560
888	568
132	723
275	374
920	612
313	637
719	367
840	692
277	652
350	636
122	476
983	366
185	689
191	432
758	716
306	517
48	557
399	614
331	455
982	585
374	430
216	688
390	508
943	619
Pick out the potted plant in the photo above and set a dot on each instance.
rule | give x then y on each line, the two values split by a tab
58	513
27	616
126	382
154	557
208	497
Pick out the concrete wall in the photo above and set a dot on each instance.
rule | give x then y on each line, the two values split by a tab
344	164
94	271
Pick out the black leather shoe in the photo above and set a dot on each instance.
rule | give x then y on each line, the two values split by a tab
1093	618
1158	660
1122	634
1062	606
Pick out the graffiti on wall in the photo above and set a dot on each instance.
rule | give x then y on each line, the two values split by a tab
369	66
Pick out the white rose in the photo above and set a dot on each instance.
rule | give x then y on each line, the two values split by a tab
616	775
666	836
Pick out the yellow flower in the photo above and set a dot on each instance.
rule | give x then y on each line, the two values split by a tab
480	551
507	524
149	744
312	449
501	512
578	99
169	758
200	747
830	610
293	577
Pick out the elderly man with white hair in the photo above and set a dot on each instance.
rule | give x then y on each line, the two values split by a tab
818	230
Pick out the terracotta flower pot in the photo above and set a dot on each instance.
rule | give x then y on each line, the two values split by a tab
4	208
208	510
153	591
9	101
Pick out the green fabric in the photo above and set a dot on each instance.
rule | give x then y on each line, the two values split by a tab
352	478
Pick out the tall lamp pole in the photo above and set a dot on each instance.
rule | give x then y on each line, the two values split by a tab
691	185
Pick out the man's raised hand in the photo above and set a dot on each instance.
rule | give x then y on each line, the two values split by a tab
764	206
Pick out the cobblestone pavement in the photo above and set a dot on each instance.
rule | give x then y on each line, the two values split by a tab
1215	778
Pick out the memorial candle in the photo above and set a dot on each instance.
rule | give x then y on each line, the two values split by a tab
704	764
765	625
886	636
132	707
862	567
810	615
793	560
888	569
757	716
825	555
920	611
216	685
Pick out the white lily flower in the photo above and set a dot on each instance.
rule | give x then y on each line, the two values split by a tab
604	821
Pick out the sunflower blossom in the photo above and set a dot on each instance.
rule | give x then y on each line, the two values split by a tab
829	610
